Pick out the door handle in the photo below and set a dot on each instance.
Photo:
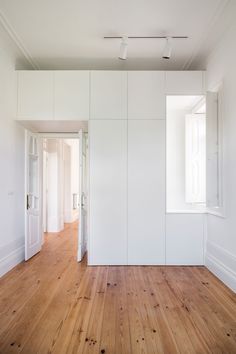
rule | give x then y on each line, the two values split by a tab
27	202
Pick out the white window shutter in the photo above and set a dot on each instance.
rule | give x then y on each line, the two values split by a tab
195	161
212	150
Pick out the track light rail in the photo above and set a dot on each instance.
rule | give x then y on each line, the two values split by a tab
146	37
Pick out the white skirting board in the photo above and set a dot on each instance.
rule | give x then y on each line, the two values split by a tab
11	260
222	263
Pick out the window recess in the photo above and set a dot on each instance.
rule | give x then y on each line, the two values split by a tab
186	154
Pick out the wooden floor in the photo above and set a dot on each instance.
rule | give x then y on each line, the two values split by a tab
52	304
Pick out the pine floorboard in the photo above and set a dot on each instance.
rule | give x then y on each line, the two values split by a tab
52	304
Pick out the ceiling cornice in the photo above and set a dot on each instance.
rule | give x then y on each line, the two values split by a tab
219	10
13	35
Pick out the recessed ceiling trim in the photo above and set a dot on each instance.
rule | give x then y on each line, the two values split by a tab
12	33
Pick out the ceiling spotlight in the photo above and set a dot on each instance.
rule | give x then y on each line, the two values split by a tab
123	48
124	44
167	49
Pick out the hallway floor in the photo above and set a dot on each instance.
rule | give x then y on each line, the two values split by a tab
52	304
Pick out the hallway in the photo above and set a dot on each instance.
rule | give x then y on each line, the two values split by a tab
52	304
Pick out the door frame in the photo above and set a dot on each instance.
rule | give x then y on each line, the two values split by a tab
41	136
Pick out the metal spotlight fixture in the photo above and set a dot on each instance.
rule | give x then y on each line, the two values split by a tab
167	49
124	44
123	48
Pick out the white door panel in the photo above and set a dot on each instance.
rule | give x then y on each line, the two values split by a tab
71	95
33	230
108	95
35	95
146	95
82	236
185	239
108	192
33	217
146	192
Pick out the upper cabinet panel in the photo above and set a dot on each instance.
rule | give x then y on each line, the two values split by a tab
146	95
71	95
108	95
185	83
35	95
74	95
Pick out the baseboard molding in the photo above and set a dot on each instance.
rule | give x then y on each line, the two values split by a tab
221	263
11	260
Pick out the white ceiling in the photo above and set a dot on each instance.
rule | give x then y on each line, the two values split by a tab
68	34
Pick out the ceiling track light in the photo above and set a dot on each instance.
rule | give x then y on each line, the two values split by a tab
146	37
124	44
168	48
123	48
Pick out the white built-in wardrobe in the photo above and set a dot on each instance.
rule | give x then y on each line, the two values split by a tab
127	223
127	191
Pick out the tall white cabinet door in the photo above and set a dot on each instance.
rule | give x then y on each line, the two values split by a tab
108	95
146	95
71	95
35	95
146	192
185	239
108	192
185	83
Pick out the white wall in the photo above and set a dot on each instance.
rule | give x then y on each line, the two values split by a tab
221	242
12	162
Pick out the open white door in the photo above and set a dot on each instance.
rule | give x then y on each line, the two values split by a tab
82	230
33	225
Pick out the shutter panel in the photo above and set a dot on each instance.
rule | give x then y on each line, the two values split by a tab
212	160
195	161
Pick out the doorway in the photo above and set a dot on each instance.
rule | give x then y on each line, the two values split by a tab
60	185
55	188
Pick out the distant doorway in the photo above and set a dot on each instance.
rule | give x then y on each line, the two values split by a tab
60	183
